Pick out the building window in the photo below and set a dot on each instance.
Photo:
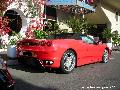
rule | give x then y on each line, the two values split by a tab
51	13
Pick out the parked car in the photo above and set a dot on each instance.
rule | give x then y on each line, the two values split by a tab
63	51
6	80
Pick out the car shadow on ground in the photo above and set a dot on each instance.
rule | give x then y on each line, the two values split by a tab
27	68
33	69
23	85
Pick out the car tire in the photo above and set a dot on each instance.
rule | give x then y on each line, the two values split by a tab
68	62
105	57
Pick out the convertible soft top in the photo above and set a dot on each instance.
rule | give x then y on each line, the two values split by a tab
65	36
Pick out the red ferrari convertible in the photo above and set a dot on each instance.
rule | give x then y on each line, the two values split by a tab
65	51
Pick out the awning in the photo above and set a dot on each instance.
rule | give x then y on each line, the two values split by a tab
74	9
97	17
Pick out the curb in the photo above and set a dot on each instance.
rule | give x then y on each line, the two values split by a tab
12	62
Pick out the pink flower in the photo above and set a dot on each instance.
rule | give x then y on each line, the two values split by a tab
4	28
35	25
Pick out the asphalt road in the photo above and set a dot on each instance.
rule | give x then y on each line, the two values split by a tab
98	76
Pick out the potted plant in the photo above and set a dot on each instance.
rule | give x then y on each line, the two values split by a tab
11	47
116	40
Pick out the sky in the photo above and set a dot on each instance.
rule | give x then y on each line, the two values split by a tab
69	2
62	2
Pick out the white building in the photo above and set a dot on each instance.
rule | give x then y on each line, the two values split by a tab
107	13
19	11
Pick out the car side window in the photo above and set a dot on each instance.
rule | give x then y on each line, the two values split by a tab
87	39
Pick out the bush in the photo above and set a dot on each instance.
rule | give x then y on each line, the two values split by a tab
14	38
79	25
107	35
116	38
39	34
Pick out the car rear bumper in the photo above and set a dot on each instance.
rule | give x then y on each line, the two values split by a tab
46	62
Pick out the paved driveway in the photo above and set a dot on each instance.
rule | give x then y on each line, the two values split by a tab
97	76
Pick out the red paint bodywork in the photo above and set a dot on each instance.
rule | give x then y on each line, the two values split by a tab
85	53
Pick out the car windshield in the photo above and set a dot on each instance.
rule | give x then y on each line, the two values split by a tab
87	39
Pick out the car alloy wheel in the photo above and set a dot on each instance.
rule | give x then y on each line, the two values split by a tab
68	61
105	56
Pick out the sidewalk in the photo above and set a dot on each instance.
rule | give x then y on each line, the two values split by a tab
116	48
3	56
